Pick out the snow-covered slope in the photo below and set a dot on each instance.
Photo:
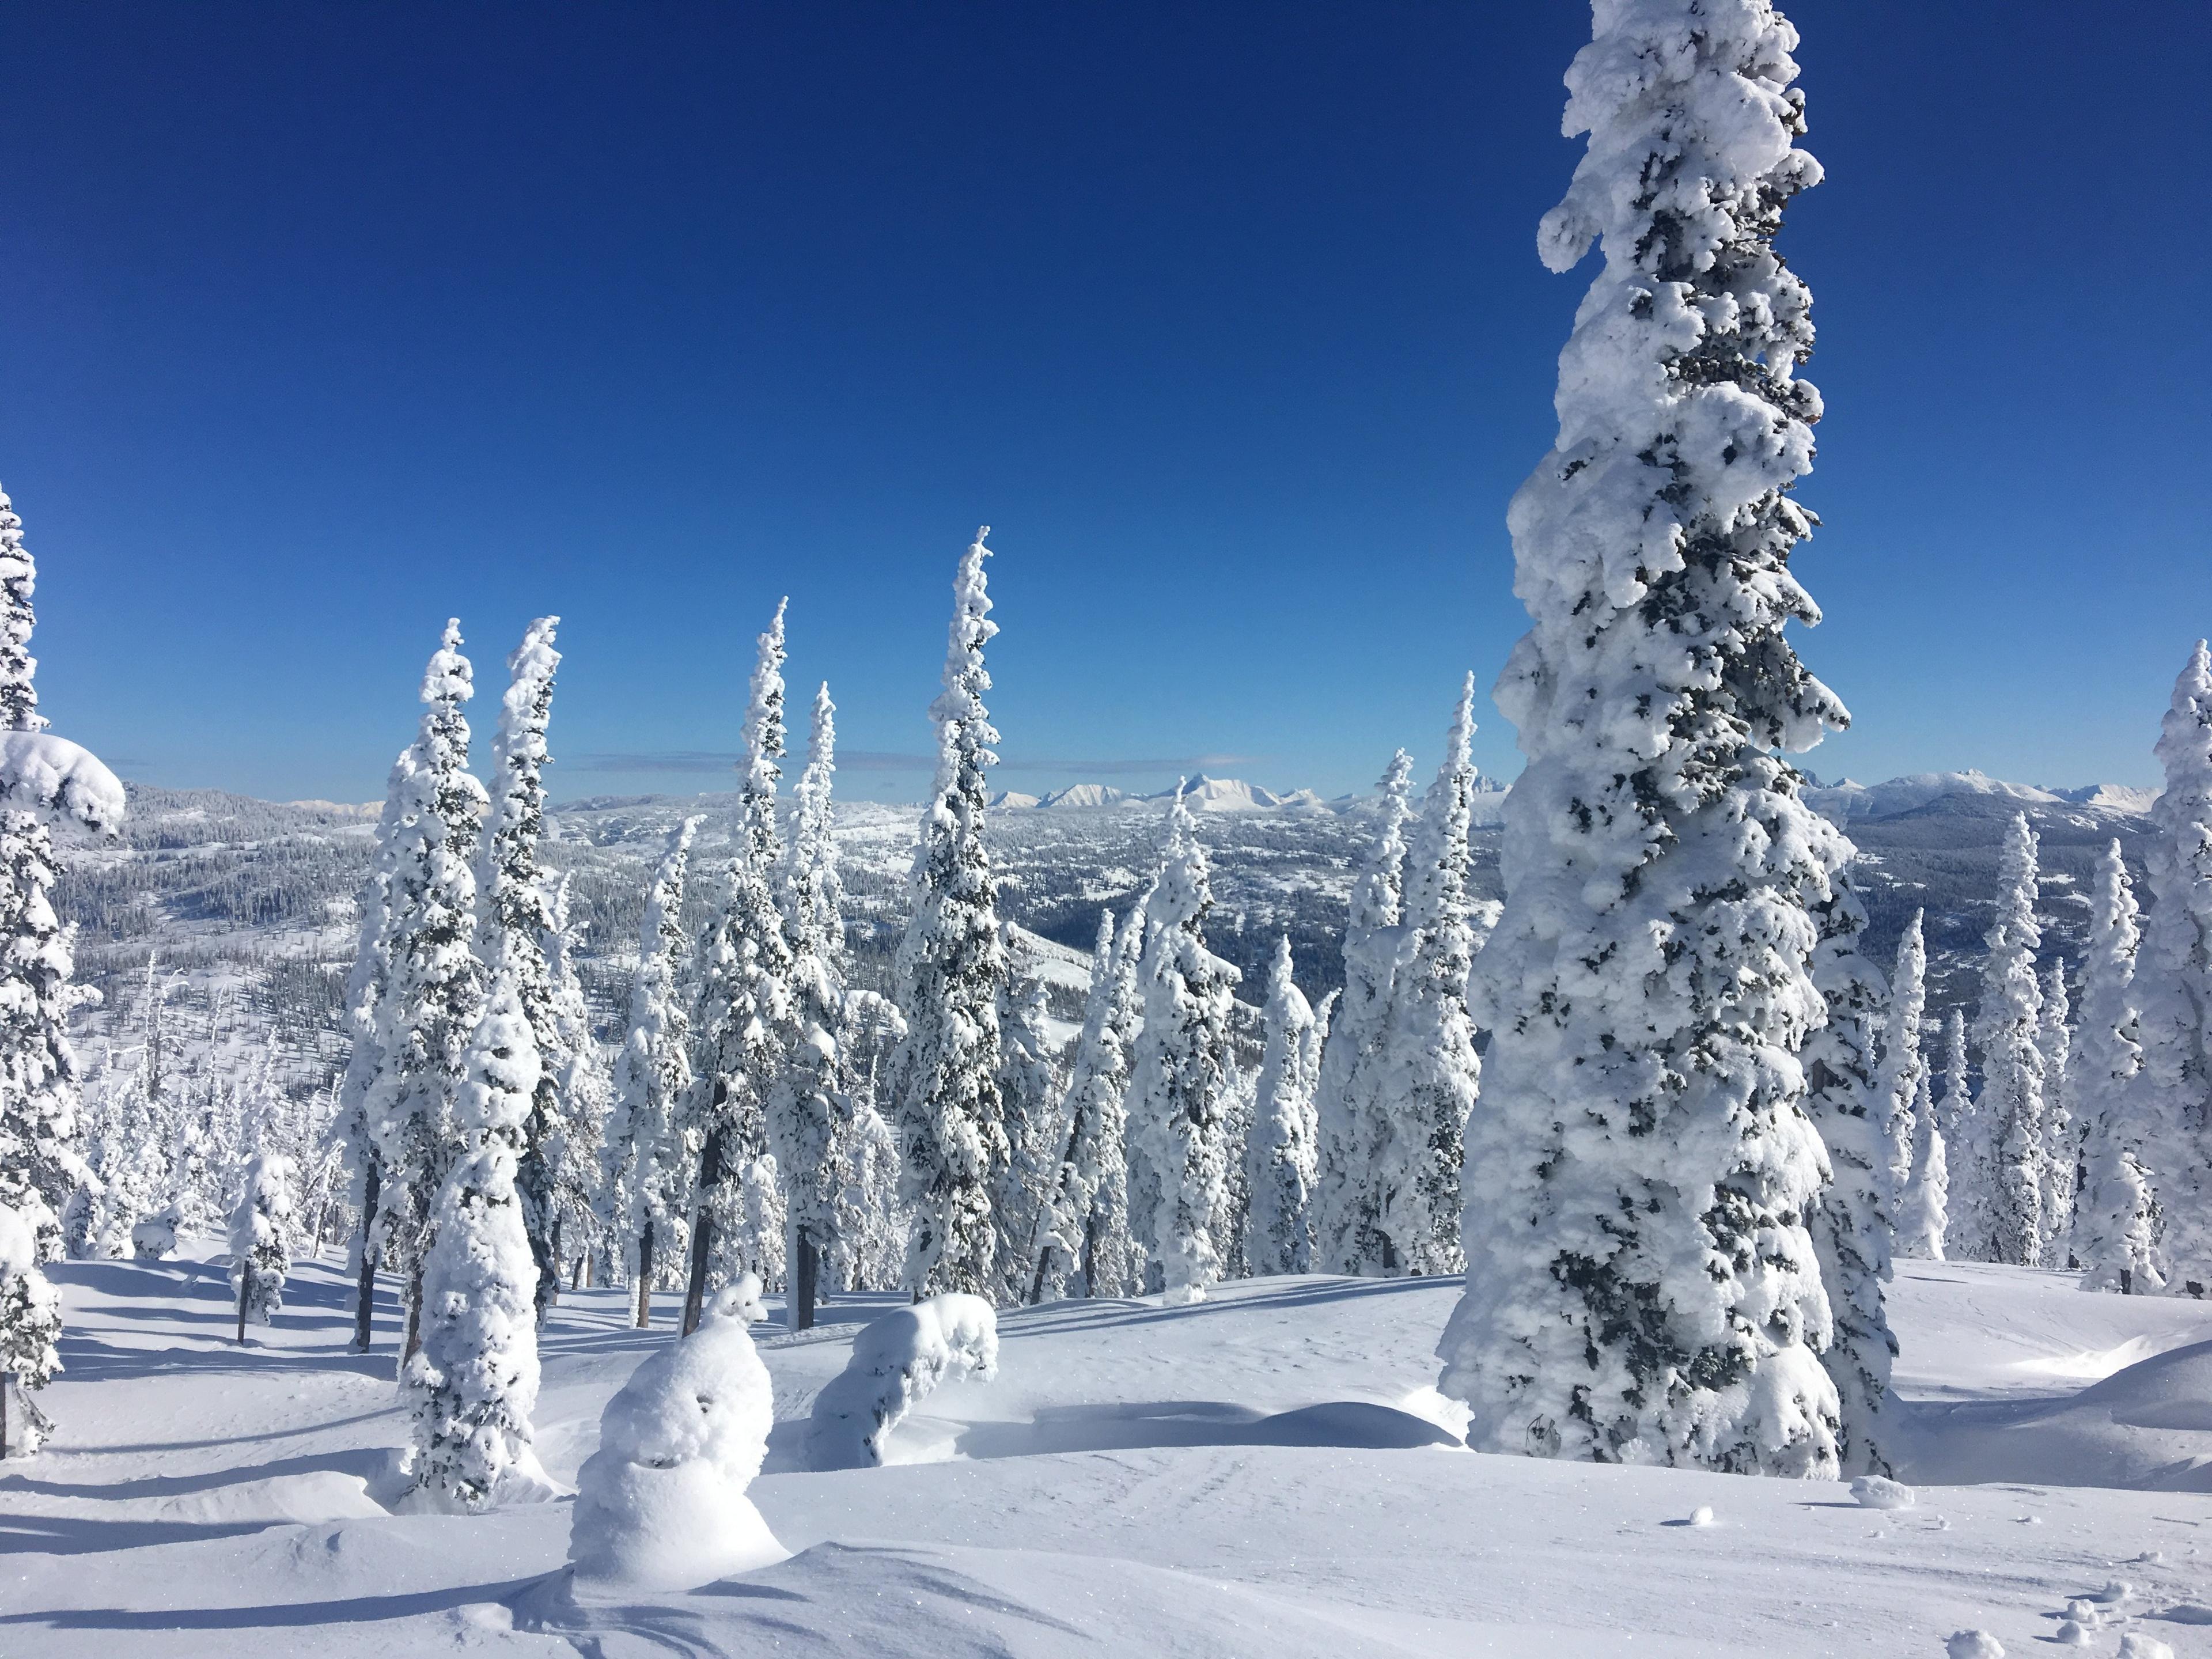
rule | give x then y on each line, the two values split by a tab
1265	1475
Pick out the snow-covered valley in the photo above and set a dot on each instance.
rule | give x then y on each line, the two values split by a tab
1270	1472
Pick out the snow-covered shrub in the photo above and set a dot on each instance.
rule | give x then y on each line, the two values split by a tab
154	1236
260	1252
661	1504
897	1361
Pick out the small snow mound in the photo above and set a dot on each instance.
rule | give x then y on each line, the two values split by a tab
2084	1612
1874	1492
661	1504
1702	1516
2072	1633
1974	1645
2116	1590
896	1362
2136	1645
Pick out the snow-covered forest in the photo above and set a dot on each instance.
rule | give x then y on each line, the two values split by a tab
1225	1223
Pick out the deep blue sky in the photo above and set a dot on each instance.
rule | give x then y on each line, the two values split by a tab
324	322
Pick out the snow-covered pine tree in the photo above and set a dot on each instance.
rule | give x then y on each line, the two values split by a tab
1085	1247
2061	1141
951	966
644	1160
432	992
1641	1173
261	1242
1179	1076
1031	1092
364	995
2011	1108
1904	1066
2116	1224
1347	1207
1923	1208
1851	1220
584	1089
515	926
1426	1073
2173	985
30	1326
742	1025
473	1383
42	778
1970	1151
1279	1163
803	1113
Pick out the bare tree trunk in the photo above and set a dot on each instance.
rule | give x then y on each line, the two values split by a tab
245	1277
702	1230
414	1316
6	1381
803	1275
365	1305
645	1275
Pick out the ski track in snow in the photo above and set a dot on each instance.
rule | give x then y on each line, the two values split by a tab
1268	1473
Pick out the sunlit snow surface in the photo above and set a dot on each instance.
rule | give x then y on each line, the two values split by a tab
1269	1473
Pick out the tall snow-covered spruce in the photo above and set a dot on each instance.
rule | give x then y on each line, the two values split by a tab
43	779
1643	1285
473	1382
742	1028
515	929
1852	1218
2115	1223
2006	1026
2062	1140
1084	1243
1427	1074
1904	1062
802	1114
433	988
643	1174
1179	1079
1278	1159
2173	984
260	1251
952	967
1348	1199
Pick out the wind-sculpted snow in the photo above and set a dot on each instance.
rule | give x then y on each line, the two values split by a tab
1265	1475
897	1361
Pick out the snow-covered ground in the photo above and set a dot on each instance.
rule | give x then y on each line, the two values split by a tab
1266	1473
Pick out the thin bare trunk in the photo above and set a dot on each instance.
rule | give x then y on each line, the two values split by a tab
702	1230
645	1275
362	1309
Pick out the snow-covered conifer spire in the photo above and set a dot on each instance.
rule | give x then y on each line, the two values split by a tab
1348	1210
1923	1208
432	992
1180	1077
1852	1221
473	1383
19	581
1641	1284
515	925
1278	1160
260	1252
743	1022
2062	1140
644	1163
2173	983
2011	1108
1085	1246
1427	1074
2115	1227
1031	1090
1904	1064
951	968
803	1113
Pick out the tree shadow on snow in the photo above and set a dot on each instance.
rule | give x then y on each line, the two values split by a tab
356	1610
369	1462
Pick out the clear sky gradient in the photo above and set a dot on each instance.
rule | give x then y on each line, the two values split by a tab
324	322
